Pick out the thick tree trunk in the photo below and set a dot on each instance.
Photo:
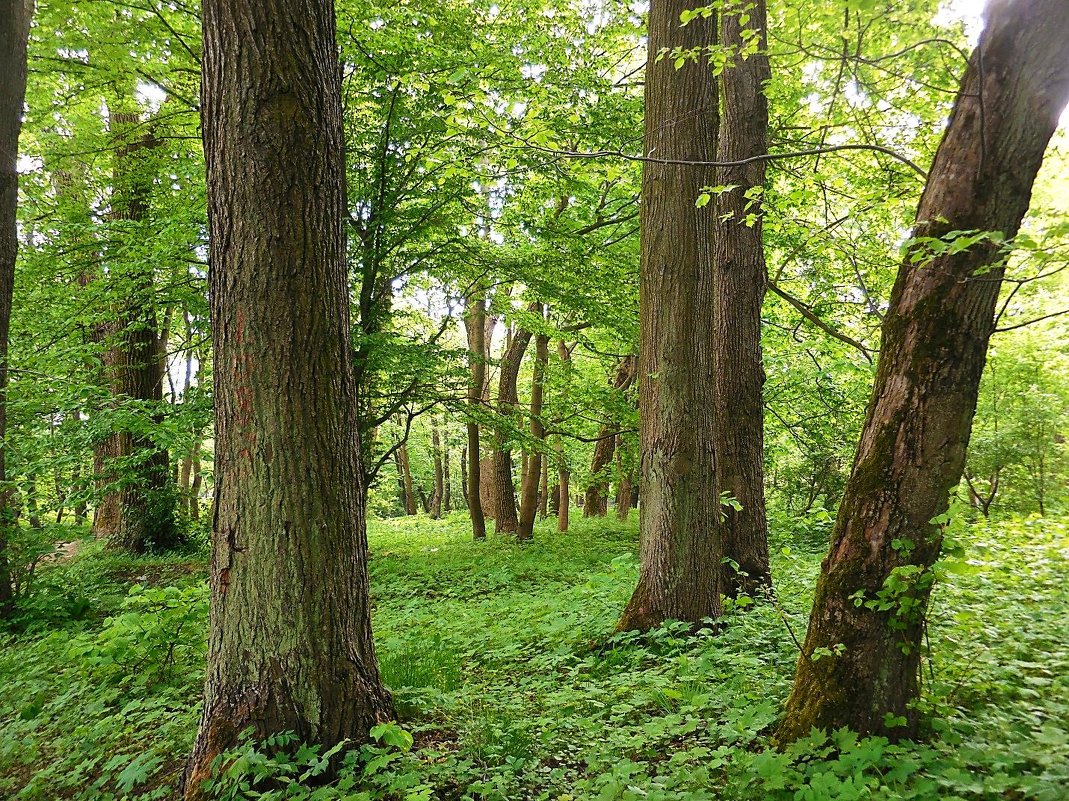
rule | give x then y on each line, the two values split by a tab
475	323
680	550
739	280
861	659
529	495
290	643
505	519
596	503
15	18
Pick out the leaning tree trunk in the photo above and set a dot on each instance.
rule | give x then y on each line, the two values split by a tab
475	323
529	493
290	645
680	547
739	280
504	492
861	660
15	18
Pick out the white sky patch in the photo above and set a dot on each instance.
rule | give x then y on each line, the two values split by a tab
150	96
969	12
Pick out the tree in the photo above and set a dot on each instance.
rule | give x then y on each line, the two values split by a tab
290	641
596	502
860	663
739	280
529	489
15	16
504	491
680	548
475	325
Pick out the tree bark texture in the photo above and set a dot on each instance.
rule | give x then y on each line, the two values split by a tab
15	16
476	328
739	280
504	493
290	643
935	336
529	493
680	547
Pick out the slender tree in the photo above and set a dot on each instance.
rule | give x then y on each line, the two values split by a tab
290	643
596	502
504	493
739	280
860	662
529	493
475	324
15	16
680	547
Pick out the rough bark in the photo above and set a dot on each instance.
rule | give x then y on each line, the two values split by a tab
739	280
475	323
935	336
680	548
529	494
596	503
15	16
504	493
290	644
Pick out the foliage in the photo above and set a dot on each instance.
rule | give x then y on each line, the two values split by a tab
510	684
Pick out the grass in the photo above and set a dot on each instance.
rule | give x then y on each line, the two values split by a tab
505	673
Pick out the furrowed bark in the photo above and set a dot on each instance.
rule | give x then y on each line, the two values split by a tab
680	547
290	643
860	664
739	280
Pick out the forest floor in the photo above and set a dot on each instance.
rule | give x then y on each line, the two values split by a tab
510	685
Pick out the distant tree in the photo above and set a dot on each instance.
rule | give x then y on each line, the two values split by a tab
860	663
290	640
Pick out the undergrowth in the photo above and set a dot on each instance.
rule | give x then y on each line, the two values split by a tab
509	684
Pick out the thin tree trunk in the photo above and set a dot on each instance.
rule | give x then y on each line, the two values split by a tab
195	484
860	663
623	491
476	328
529	496
406	480
739	280
14	34
435	504
447	488
290	645
564	476
464	475
543	489
680	546
505	519
596	503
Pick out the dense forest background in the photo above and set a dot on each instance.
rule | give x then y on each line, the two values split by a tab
493	181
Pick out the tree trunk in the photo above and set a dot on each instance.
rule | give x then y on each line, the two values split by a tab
406	480
543	489
290	645
505	519
140	514
435	504
447	488
680	548
475	321
739	280
623	491
464	475
597	501
529	495
861	659
194	487
14	34
563	492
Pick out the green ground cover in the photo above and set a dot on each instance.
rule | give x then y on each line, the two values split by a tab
510	684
